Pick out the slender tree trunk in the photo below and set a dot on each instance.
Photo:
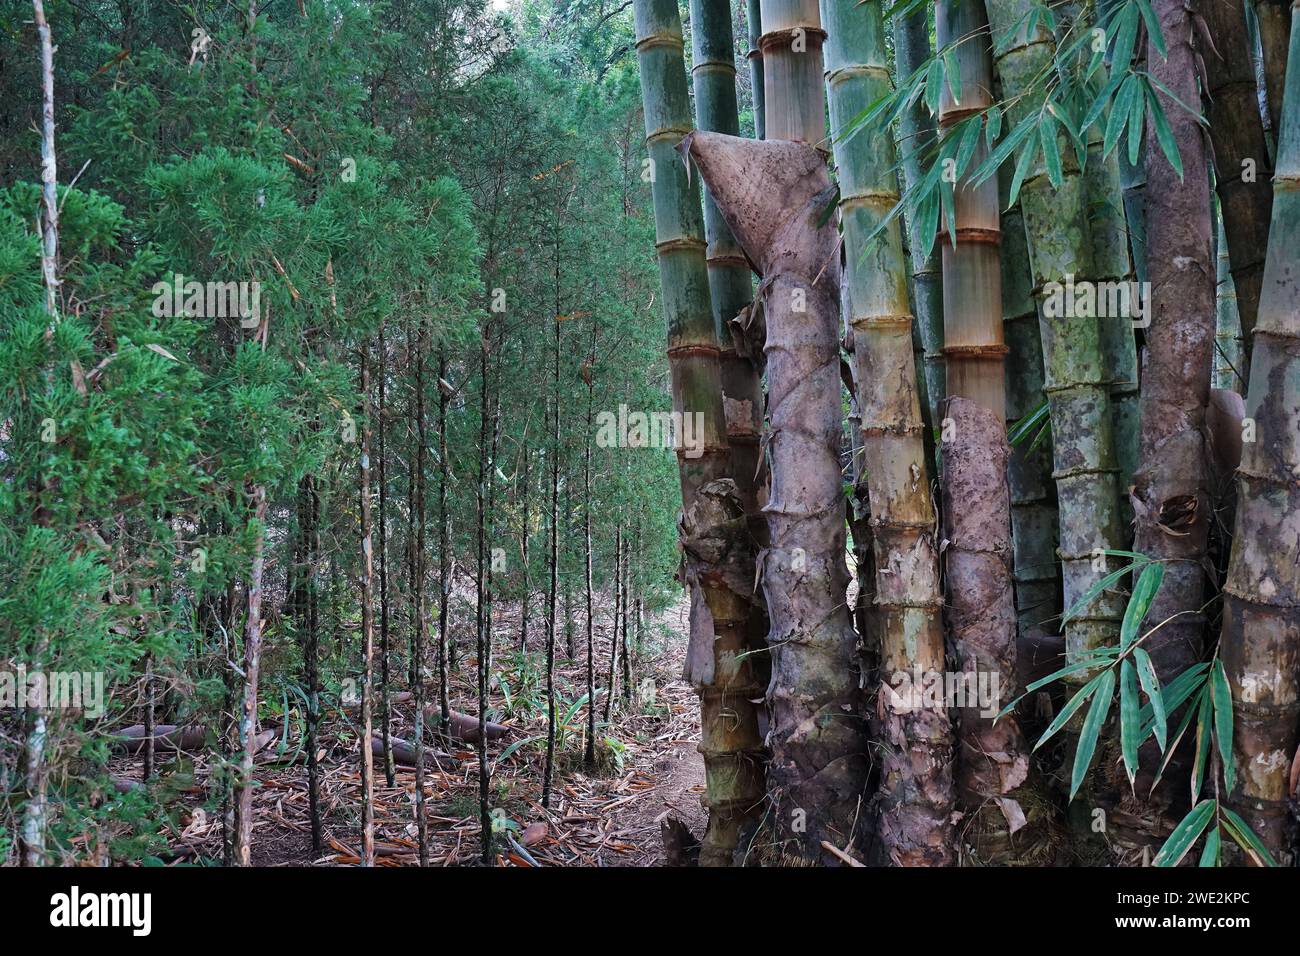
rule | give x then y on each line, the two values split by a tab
612	682
523	601
1261	628
252	664
367	627
1242	168
32	839
311	659
718	551
444	556
416	575
915	799
589	755
554	556
482	621
385	717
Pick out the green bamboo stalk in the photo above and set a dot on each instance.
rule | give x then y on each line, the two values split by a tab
754	21
718	667
713	71
911	49
1107	230
1261	642
1242	166
916	795
1029	470
1060	247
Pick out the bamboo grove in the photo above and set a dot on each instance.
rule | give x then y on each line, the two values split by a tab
381	381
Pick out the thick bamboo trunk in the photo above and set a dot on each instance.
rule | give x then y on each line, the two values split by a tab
1242	168
911	49
714	74
773	194
1171	494
915	800
718	552
1172	498
1261	628
1060	247
1274	19
1029	468
1107	233
993	772
794	106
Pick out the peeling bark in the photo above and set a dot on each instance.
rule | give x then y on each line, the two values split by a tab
1005	816
773	194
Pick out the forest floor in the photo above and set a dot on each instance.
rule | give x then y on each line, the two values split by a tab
647	769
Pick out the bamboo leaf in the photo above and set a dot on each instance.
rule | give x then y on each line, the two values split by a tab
1089	595
992	125
1153	27
927	222
1022	168
1077	701
1203	730
1081	665
1051	150
1210	855
1144	592
1128	718
1185	834
1091	729
1136	119
1125	26
1173	746
1164	135
1245	836
1151	685
1222	695
934	85
970	139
